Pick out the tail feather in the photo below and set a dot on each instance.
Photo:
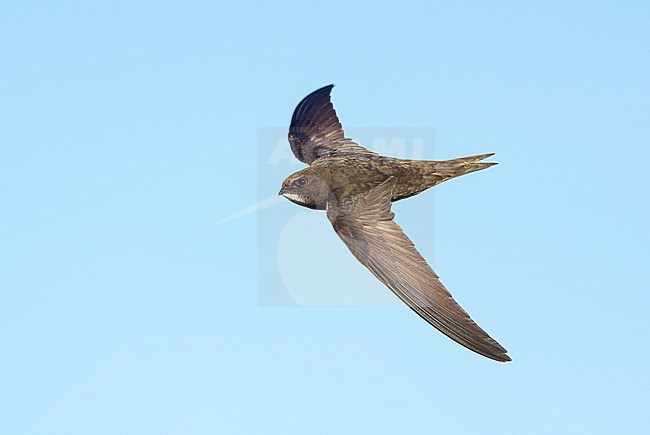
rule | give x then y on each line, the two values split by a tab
456	167
435	172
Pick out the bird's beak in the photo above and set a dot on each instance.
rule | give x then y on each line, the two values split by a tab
281	191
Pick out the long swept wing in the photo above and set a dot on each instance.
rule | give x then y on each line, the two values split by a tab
366	226
315	130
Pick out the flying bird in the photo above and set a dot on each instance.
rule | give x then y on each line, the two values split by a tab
357	187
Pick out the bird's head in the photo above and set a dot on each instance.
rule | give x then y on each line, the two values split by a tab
306	188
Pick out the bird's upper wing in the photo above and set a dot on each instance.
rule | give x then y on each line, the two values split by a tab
366	226
315	130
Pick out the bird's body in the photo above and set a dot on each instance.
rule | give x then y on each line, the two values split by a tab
356	174
356	187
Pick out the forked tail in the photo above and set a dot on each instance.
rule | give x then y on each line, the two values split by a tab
456	167
435	172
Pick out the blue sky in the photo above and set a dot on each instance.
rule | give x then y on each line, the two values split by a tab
130	129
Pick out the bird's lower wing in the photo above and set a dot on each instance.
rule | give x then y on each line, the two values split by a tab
367	227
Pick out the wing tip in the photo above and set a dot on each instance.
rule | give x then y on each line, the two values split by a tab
499	353
326	88
311	99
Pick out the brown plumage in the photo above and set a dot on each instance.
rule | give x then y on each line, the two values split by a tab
356	187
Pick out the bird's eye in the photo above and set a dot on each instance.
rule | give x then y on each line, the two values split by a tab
300	182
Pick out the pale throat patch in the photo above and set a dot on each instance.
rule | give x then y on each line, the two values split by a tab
293	197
